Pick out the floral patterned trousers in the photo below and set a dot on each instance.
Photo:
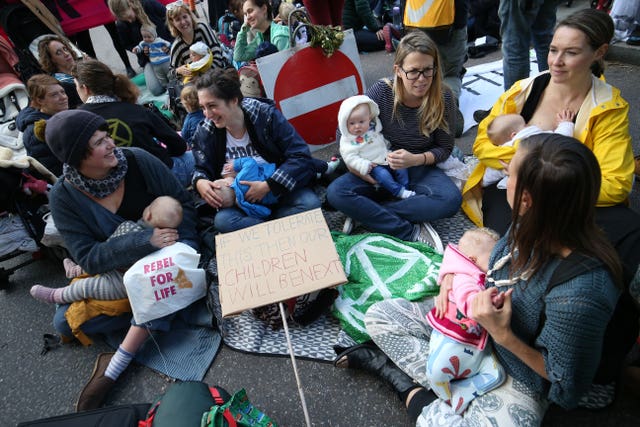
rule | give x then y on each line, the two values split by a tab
401	330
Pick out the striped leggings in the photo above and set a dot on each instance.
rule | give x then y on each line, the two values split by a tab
107	286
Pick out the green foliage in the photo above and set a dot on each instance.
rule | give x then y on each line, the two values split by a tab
326	37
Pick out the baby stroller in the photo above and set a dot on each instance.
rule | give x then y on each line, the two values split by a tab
13	97
23	203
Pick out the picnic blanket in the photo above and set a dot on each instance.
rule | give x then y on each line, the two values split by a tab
314	341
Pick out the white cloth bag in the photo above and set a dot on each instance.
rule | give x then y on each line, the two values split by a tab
164	282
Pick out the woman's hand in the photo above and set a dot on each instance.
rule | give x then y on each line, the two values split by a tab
365	178
183	70
380	34
402	159
206	189
257	190
163	237
497	321
228	170
442	300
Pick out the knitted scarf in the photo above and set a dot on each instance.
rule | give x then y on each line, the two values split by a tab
98	188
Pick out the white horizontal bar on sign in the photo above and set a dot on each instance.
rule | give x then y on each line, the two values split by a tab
319	97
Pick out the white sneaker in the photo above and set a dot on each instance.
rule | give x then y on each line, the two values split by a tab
347	228
430	236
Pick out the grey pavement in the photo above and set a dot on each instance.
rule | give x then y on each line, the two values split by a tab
34	386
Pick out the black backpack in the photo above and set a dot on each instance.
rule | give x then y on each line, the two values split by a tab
112	416
622	329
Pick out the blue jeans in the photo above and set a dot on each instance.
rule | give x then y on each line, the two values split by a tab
297	201
394	181
436	197
519	28
183	168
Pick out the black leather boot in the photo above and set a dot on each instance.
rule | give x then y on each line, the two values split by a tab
370	358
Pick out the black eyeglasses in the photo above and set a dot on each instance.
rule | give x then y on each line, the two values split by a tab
415	74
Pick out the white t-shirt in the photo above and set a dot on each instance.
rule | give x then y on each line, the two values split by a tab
241	147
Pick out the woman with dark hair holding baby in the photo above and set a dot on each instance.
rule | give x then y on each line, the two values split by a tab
101	187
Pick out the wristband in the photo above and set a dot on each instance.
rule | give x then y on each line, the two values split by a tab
425	158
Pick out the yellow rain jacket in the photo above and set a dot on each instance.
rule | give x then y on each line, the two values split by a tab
602	125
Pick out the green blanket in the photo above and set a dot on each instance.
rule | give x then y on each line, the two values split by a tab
381	267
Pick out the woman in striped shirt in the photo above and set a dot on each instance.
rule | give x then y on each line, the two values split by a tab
186	30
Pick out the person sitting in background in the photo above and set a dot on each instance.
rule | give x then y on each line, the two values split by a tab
370	35
258	27
47	97
189	100
157	49
187	31
114	96
229	24
57	57
285	18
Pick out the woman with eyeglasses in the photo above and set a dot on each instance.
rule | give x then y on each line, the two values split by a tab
187	31
130	16
57	57
418	119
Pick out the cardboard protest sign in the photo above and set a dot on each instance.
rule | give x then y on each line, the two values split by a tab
276	260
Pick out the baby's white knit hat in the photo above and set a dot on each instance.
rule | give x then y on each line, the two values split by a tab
200	48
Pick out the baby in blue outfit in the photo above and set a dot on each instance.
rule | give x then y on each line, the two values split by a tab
233	192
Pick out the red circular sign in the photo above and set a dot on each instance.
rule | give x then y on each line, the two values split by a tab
310	70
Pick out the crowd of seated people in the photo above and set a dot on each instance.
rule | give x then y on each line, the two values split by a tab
114	157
